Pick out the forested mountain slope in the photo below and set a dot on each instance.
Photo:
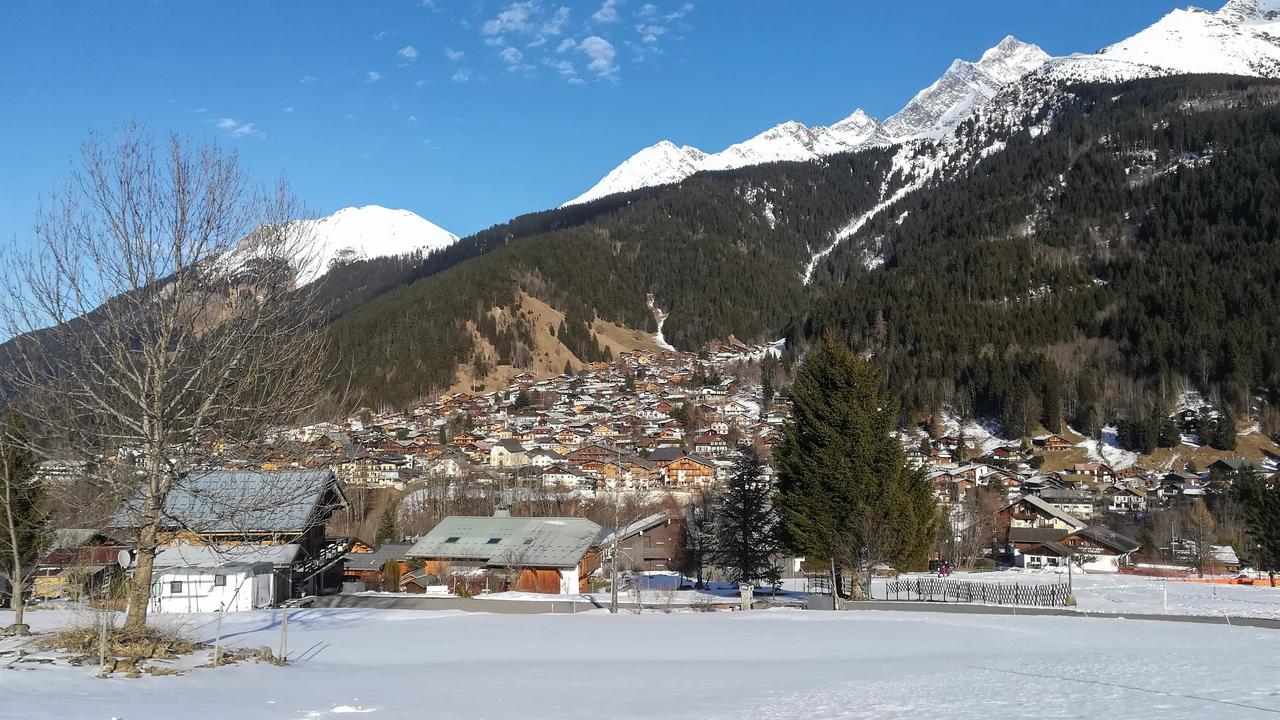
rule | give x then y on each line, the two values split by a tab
1077	261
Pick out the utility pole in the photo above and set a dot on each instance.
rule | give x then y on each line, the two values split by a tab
617	532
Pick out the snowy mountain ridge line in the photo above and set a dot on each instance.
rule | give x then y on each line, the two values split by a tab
1241	38
359	233
933	112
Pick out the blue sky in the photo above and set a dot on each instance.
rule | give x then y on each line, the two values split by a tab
469	112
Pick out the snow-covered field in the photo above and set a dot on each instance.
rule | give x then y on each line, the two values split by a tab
1146	595
1094	593
767	664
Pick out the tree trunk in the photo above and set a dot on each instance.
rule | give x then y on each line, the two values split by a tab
15	585
144	568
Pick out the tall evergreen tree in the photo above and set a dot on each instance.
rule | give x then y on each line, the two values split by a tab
768	369
747	524
1261	502
845	492
387	526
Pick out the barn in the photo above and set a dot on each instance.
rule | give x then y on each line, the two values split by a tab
542	555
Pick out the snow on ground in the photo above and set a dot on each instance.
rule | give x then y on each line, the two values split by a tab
1108	451
984	432
1138	594
386	664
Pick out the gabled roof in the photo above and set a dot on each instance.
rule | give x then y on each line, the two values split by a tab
1107	537
212	556
1020	535
223	501
639	526
532	542
376	559
1049	510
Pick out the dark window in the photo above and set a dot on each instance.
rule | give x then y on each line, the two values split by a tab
493	541
219	580
175	587
450	541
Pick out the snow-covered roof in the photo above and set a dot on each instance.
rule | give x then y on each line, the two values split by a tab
531	542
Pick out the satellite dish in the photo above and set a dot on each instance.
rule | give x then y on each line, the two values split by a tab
124	558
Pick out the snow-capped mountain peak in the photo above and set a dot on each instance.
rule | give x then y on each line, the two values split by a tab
1011	59
1251	12
965	86
1242	38
932	113
658	164
362	233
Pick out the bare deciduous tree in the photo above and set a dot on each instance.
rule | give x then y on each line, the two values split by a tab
157	314
21	515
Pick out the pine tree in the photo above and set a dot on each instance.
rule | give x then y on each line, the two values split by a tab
747	524
846	495
386	526
768	368
391	576
1261	502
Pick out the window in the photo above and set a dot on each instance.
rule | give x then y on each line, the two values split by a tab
451	540
175	587
493	541
219	580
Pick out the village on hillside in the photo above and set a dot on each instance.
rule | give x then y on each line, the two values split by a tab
526	489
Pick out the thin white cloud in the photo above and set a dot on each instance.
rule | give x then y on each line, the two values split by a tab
564	68
650	33
287	108
308	79
600	54
647	10
372	76
608	12
461	75
555	25
515	18
408	52
413	119
684	9
237	129
566	44
454	55
511	57
383	34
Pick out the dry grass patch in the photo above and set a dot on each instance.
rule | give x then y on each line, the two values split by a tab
126	651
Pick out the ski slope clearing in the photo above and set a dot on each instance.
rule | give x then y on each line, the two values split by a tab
766	664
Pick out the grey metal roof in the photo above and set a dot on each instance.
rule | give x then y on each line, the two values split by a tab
379	557
531	542
211	556
637	527
225	501
1035	535
1050	510
1110	538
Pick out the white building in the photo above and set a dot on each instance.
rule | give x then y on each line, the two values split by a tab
226	588
207	578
